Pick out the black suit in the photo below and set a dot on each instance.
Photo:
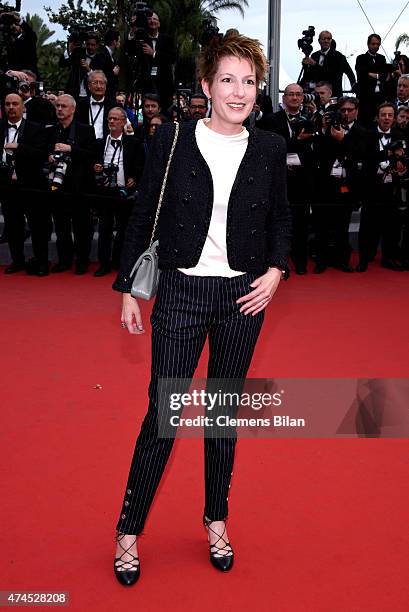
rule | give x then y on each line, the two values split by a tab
82	112
77	74
70	207
105	62
40	110
117	207
299	181
338	196
369	100
165	57
380	218
17	199
334	67
23	51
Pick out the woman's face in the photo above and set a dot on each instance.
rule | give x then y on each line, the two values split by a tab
233	93
155	121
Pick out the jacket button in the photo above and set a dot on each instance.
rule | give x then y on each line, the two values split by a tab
252	258
180	226
264	202
185	200
228	235
193	173
123	516
253	206
253	231
128	492
126	503
250	180
175	251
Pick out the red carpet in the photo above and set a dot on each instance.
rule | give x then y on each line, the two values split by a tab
316	524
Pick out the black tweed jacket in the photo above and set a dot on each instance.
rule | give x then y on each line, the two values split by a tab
258	217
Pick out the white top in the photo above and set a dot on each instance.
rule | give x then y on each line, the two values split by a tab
96	116
115	155
223	155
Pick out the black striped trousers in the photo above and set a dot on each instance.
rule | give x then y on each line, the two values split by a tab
187	310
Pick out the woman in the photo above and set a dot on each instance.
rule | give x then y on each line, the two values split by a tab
154	122
224	230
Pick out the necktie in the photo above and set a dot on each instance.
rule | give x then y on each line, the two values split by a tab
399	103
293	117
97	103
384	135
115	142
11	126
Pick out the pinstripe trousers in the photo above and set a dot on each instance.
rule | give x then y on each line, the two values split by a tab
187	310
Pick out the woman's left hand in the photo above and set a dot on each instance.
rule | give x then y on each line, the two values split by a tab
264	288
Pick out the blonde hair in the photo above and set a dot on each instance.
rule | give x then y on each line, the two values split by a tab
231	44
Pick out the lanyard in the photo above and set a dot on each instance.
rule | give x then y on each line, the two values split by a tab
93	119
117	149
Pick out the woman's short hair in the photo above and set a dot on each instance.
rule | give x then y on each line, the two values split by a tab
231	44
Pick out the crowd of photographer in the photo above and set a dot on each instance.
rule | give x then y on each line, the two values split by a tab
73	158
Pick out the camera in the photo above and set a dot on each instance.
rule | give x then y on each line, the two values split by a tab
79	33
398	163
305	43
138	19
55	171
108	178
301	123
334	119
209	32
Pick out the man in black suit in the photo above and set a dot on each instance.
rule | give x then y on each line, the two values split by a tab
371	71
106	61
328	64
290	123
93	110
22	53
71	209
380	215
80	62
23	148
158	58
125	155
341	151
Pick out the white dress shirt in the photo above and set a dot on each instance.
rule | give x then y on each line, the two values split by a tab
96	116
115	155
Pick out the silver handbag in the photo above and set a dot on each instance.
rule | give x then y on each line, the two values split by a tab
146	268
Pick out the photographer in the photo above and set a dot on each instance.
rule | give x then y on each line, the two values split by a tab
37	107
372	73
380	218
117	172
106	61
341	152
80	60
71	147
297	130
154	55
22	43
328	64
23	149
93	110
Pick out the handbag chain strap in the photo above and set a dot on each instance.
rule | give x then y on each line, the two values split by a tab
165	178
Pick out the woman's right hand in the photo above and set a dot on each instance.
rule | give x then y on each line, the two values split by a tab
131	315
